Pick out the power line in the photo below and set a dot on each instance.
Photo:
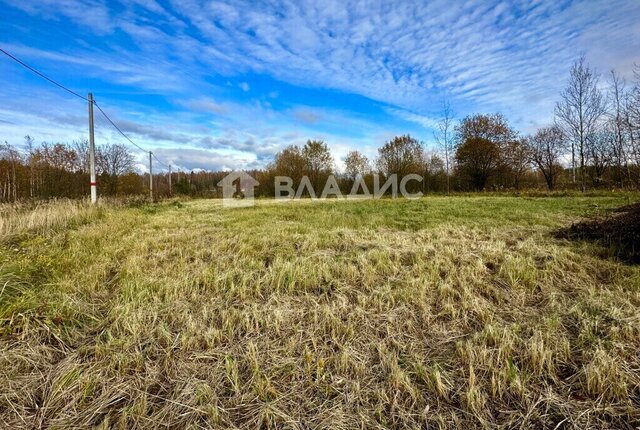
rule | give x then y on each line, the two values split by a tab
85	99
118	128
42	75
125	136
160	162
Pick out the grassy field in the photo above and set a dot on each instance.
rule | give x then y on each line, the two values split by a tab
460	312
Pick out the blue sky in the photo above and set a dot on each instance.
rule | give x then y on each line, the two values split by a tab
222	85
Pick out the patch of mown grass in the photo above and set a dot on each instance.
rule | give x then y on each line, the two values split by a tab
442	312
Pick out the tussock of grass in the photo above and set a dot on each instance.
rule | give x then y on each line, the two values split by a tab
43	217
444	312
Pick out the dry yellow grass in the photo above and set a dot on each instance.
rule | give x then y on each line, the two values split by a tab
437	313
43	217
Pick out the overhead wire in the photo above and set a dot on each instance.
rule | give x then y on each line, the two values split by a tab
42	75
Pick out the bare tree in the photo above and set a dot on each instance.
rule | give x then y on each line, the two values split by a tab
434	170
516	158
401	155
632	121
319	162
82	149
116	160
11	157
28	140
444	136
113	161
600	154
545	148
617	123
356	164
579	112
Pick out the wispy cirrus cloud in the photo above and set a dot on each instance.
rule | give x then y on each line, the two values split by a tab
489	54
240	76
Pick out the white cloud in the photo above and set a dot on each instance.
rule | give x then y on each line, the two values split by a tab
206	105
511	56
486	56
307	115
423	120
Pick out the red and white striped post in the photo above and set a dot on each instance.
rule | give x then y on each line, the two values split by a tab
92	154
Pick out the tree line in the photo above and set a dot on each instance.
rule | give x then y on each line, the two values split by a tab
593	142
50	170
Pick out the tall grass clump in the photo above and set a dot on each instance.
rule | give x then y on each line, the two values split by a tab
44	217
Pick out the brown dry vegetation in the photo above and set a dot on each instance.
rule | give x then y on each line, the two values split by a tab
618	232
437	313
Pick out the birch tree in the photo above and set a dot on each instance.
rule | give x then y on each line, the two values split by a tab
580	111
617	125
445	138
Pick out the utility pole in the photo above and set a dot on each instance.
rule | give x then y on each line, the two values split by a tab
170	193
151	175
92	154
